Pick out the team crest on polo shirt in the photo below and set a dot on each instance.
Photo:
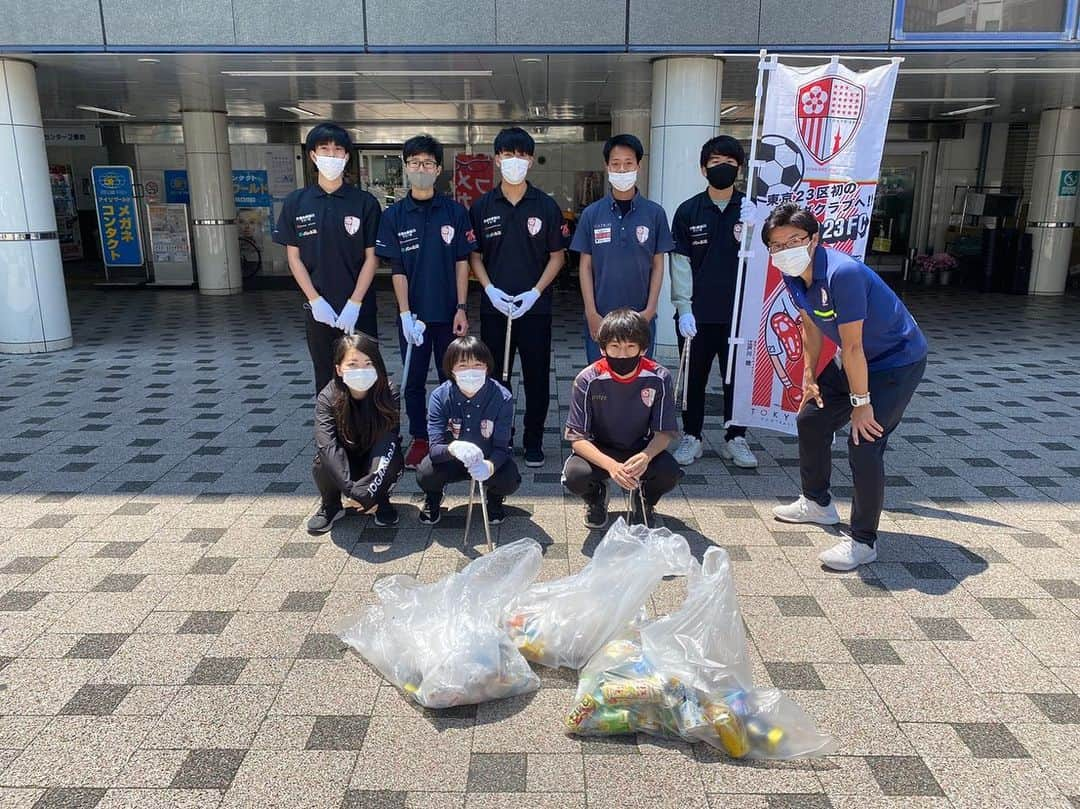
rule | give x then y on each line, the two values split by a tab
642	234
487	427
455	428
447	234
737	231
352	224
824	297
534	224
648	396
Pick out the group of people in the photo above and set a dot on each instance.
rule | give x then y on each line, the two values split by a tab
621	423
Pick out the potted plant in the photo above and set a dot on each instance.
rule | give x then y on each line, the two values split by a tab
946	267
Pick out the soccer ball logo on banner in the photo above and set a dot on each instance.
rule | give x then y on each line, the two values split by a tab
780	170
828	112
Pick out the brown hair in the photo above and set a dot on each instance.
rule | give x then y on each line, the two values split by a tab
624	326
467	348
361	421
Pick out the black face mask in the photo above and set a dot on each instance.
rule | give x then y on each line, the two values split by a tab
623	366
722	176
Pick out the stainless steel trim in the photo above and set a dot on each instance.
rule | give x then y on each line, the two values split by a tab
213	221
1051	224
28	236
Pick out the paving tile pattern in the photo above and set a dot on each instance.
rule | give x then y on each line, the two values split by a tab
167	627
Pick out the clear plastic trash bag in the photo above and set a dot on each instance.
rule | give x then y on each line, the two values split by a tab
441	643
688	676
566	621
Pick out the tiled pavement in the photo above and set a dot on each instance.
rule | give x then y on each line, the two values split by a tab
166	625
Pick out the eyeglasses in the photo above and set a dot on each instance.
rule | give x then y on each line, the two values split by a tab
794	241
416	165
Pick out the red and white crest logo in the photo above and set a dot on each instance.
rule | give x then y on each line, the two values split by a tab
648	396
642	234
447	234
352	224
736	231
534	225
455	428
487	427
828	112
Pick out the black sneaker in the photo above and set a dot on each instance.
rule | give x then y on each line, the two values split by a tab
636	517
431	512
324	519
534	457
386	515
495	510
596	514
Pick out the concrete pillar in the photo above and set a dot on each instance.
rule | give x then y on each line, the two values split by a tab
33	301
213	207
1052	215
635	121
685	113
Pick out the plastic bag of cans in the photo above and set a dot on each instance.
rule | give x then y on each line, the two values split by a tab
688	676
442	643
566	621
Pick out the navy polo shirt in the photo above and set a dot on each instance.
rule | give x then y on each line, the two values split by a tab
423	241
516	242
332	232
844	290
622	249
485	420
710	238
621	414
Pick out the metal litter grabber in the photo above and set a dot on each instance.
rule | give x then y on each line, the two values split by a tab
405	364
682	378
483	508
630	502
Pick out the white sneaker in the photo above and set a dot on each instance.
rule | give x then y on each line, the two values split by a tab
803	510
738	450
688	451
847	554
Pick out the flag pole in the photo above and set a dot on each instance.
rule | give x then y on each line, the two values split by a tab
765	63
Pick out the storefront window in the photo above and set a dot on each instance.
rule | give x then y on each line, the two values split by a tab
983	16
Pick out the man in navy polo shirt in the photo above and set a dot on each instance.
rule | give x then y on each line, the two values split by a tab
622	240
621	422
328	230
708	233
520	236
427	239
881	361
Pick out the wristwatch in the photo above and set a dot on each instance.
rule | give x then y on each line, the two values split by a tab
859	401
462	307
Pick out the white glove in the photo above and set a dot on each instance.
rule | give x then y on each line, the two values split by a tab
466	452
524	302
481	470
752	214
687	325
322	311
499	299
412	329
346	321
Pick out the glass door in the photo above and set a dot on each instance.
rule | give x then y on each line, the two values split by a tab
893	221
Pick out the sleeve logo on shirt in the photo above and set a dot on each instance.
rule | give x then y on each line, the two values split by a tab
565	230
824	297
455	428
487	427
352	225
602	235
534	225
648	396
470	236
642	234
447	234
737	231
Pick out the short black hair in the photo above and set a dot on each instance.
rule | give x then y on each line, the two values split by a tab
328	133
514	139
789	214
624	326
466	348
724	146
629	141
422	144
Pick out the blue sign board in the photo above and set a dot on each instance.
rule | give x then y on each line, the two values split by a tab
251	189
118	215
176	187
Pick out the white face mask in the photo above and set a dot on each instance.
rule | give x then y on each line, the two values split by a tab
330	167
622	180
793	261
470	381
514	169
359	379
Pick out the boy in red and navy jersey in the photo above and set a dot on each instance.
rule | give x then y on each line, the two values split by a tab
621	422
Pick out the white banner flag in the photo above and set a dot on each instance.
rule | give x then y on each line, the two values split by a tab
822	137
